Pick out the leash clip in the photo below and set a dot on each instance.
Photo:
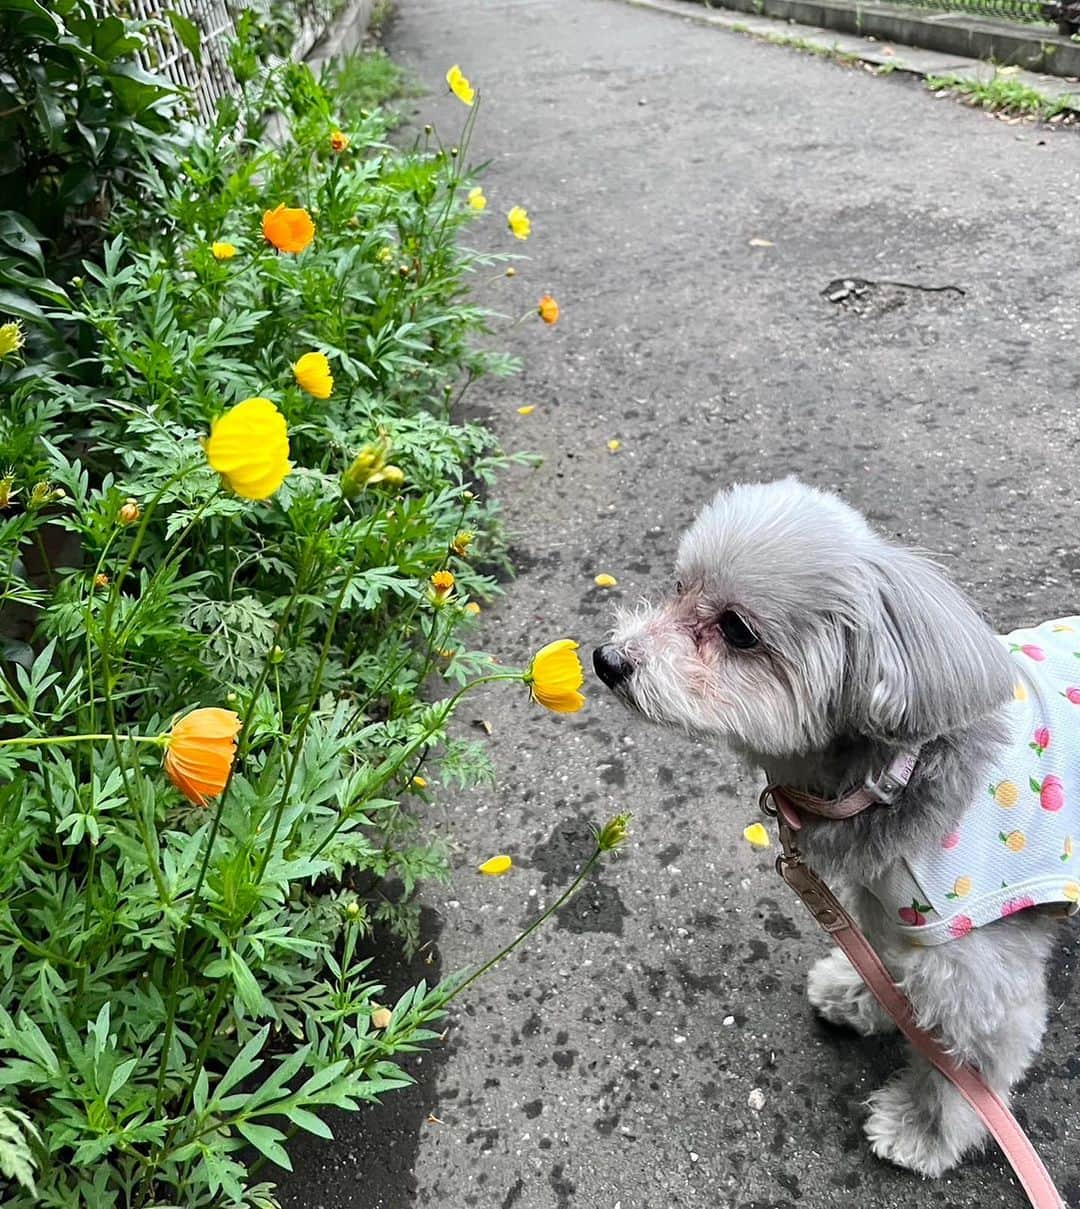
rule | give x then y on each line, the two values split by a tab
792	867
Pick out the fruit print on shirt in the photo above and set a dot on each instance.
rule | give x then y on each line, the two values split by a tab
1012	848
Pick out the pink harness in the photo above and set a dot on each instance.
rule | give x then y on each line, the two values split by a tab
784	804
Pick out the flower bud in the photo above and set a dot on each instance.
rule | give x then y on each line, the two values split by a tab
511	271
8	490
11	338
613	832
442	584
101	580
129	511
353	910
41	494
369	466
277	655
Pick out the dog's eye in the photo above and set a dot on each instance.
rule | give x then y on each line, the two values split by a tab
736	632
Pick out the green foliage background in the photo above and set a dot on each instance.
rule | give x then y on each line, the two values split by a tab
180	987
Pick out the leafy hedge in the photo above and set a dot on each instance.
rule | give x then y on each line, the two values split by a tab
182	985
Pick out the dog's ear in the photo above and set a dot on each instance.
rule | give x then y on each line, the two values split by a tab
925	663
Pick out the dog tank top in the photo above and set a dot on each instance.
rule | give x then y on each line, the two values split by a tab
1012	848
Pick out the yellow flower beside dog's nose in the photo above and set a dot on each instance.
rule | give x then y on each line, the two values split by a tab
555	675
756	836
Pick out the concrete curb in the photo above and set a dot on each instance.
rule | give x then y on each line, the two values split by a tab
867	46
946	32
344	34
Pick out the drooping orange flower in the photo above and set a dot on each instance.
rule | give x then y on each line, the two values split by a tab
548	309
199	753
287	229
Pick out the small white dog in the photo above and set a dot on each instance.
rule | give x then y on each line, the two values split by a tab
823	653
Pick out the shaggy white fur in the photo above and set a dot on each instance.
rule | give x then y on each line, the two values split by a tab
819	650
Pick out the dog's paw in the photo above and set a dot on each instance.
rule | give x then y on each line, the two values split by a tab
839	995
928	1136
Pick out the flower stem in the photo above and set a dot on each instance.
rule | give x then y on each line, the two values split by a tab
59	740
560	902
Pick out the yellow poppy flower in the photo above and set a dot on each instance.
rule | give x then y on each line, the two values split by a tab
312	373
339	141
472	608
460	86
756	836
518	222
476	199
249	447
497	866
555	675
222	250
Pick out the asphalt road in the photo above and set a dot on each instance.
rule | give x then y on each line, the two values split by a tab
611	1064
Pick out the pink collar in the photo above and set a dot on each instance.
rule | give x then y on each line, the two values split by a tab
876	791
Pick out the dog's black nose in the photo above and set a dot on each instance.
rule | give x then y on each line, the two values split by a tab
610	666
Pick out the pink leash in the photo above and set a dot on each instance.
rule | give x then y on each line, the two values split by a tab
831	915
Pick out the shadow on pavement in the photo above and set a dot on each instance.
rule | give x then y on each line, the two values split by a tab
374	1169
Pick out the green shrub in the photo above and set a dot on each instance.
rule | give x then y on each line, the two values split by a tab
181	983
79	120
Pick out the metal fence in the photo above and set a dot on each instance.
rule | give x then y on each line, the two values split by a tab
1065	14
210	79
1028	11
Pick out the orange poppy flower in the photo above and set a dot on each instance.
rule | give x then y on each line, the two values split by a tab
548	309
199	753
288	230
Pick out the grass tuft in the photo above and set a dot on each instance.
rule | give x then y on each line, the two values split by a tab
999	94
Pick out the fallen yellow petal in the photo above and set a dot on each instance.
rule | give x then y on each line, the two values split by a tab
527	411
762	243
605	581
756	836
380	1017
614	445
497	866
